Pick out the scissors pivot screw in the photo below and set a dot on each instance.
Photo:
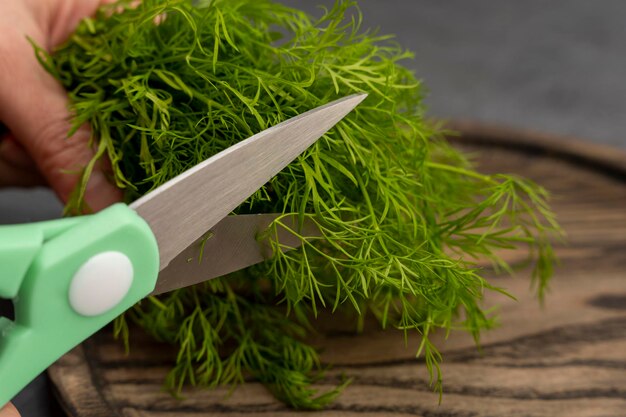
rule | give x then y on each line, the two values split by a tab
101	283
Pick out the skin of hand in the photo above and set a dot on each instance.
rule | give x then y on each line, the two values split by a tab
9	411
34	106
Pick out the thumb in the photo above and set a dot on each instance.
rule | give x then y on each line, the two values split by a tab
9	410
35	108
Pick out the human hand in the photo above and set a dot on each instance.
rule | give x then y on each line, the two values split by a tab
9	411
34	106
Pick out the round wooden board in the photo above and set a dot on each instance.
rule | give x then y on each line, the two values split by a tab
565	359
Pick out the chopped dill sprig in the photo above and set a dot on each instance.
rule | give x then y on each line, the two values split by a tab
405	218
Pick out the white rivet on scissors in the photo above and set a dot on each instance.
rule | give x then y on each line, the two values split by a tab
101	283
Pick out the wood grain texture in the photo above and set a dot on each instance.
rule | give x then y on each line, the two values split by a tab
565	359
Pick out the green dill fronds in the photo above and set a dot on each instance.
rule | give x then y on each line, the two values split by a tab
405	219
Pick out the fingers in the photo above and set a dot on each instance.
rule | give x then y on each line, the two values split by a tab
9	411
35	109
59	18
14	154
60	159
16	167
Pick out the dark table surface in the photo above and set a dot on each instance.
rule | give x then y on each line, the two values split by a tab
554	66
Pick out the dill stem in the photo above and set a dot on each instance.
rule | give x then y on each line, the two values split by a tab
461	171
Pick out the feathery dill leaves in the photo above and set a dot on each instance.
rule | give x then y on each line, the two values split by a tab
404	217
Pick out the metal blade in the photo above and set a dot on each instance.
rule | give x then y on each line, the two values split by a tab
181	210
231	245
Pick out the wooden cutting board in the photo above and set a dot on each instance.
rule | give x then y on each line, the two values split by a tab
565	359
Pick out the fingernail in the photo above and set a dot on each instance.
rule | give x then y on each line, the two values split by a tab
100	193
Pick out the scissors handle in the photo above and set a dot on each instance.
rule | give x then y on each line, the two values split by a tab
68	278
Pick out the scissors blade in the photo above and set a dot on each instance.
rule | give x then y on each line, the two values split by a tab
180	211
231	245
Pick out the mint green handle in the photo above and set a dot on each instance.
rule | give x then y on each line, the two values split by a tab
38	264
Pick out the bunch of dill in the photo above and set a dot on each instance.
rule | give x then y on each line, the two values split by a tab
167	83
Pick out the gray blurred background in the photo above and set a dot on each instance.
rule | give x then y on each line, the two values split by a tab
553	66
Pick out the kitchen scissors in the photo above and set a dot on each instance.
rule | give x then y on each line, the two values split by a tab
70	277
